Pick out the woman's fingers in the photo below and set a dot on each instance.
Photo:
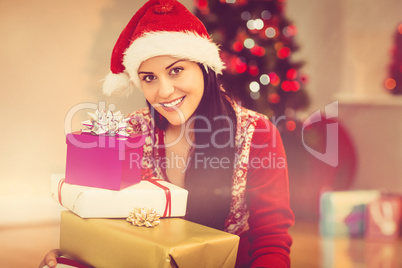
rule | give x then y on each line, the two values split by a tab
50	258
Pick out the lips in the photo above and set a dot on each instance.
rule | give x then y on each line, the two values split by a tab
173	103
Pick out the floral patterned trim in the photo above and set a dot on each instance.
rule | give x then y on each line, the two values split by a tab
237	220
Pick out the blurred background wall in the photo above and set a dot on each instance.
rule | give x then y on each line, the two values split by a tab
53	55
347	48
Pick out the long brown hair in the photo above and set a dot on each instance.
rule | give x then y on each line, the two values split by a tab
209	183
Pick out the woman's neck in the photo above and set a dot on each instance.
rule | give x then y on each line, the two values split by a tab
185	130
178	142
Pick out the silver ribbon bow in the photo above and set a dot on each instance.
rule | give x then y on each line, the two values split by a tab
108	123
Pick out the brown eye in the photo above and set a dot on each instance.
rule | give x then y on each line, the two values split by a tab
176	70
148	78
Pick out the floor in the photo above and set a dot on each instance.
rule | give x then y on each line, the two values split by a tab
314	251
26	246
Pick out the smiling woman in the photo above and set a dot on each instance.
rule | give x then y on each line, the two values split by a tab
213	143
173	87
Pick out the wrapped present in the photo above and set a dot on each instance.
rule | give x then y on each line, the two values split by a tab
383	219
167	199
342	213
109	162
104	154
173	243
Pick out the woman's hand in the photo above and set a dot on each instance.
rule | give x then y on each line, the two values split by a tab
50	259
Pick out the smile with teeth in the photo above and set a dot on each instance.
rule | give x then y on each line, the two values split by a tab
173	103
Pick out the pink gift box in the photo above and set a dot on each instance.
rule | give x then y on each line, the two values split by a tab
108	162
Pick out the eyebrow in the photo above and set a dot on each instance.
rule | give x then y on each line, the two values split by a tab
165	68
173	64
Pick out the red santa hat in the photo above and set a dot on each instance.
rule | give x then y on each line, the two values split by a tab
160	27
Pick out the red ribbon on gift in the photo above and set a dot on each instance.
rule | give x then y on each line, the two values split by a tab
70	263
61	182
168	207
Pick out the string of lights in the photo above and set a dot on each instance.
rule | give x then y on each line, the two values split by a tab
257	42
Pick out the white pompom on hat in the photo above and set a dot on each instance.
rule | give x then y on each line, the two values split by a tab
160	27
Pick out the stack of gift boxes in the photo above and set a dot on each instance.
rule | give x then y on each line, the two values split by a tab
117	219
371	214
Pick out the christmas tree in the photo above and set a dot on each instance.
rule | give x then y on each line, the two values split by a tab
257	42
394	80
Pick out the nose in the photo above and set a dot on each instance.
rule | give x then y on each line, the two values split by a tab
166	88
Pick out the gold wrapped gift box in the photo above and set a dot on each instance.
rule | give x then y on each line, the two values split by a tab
173	243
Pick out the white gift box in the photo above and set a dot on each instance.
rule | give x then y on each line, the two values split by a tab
90	202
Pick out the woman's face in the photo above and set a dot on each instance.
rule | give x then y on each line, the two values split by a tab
174	87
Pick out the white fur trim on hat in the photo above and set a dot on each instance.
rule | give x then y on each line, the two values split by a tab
183	45
117	83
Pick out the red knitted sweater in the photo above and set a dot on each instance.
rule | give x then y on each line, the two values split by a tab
267	242
260	213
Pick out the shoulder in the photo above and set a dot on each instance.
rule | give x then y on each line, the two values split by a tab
145	112
257	126
140	121
251	119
